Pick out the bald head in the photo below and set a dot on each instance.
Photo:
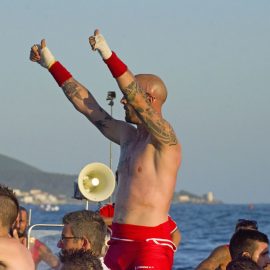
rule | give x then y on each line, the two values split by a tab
153	85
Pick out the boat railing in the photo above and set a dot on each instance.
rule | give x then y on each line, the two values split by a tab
42	226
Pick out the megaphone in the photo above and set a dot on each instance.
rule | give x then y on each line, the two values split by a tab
96	182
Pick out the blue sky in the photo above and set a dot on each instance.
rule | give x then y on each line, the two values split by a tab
213	56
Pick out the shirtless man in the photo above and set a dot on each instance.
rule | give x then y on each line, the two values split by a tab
40	252
149	159
252	244
13	255
220	256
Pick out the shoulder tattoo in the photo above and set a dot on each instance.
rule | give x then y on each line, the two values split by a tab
162	131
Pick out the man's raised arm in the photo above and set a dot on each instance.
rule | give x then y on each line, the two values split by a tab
78	95
136	96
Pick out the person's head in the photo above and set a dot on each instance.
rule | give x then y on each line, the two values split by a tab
155	93
83	229
250	243
2	266
9	207
246	224
22	222
80	260
243	263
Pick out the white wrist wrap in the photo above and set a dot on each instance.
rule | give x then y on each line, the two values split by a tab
47	59
102	47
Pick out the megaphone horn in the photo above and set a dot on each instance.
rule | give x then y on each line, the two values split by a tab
96	182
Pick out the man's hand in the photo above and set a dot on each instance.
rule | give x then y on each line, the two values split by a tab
22	240
98	42
15	234
42	55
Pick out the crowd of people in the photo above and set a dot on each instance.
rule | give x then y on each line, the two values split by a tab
83	242
248	247
141	234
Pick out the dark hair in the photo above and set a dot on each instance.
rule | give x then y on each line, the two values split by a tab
79	260
243	263
246	224
9	206
246	241
89	224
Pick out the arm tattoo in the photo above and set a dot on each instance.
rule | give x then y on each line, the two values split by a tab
101	125
72	89
158	127
107	117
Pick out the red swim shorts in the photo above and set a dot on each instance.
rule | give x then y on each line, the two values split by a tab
135	247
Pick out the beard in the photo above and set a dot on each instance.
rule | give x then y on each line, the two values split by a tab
127	118
131	116
21	234
67	255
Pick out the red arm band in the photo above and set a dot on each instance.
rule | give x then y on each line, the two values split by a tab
115	65
59	73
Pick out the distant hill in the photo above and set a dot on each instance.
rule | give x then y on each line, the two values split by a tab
17	174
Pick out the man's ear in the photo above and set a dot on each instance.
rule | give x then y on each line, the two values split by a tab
150	98
246	254
86	244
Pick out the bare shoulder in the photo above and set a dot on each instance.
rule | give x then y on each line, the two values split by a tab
171	150
11	248
164	136
221	251
9	242
218	259
162	132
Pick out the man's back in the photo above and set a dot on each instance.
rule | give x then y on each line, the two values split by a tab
14	255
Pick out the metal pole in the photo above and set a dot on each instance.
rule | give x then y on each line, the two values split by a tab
111	95
29	217
110	140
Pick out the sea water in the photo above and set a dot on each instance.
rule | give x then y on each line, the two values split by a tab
203	227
